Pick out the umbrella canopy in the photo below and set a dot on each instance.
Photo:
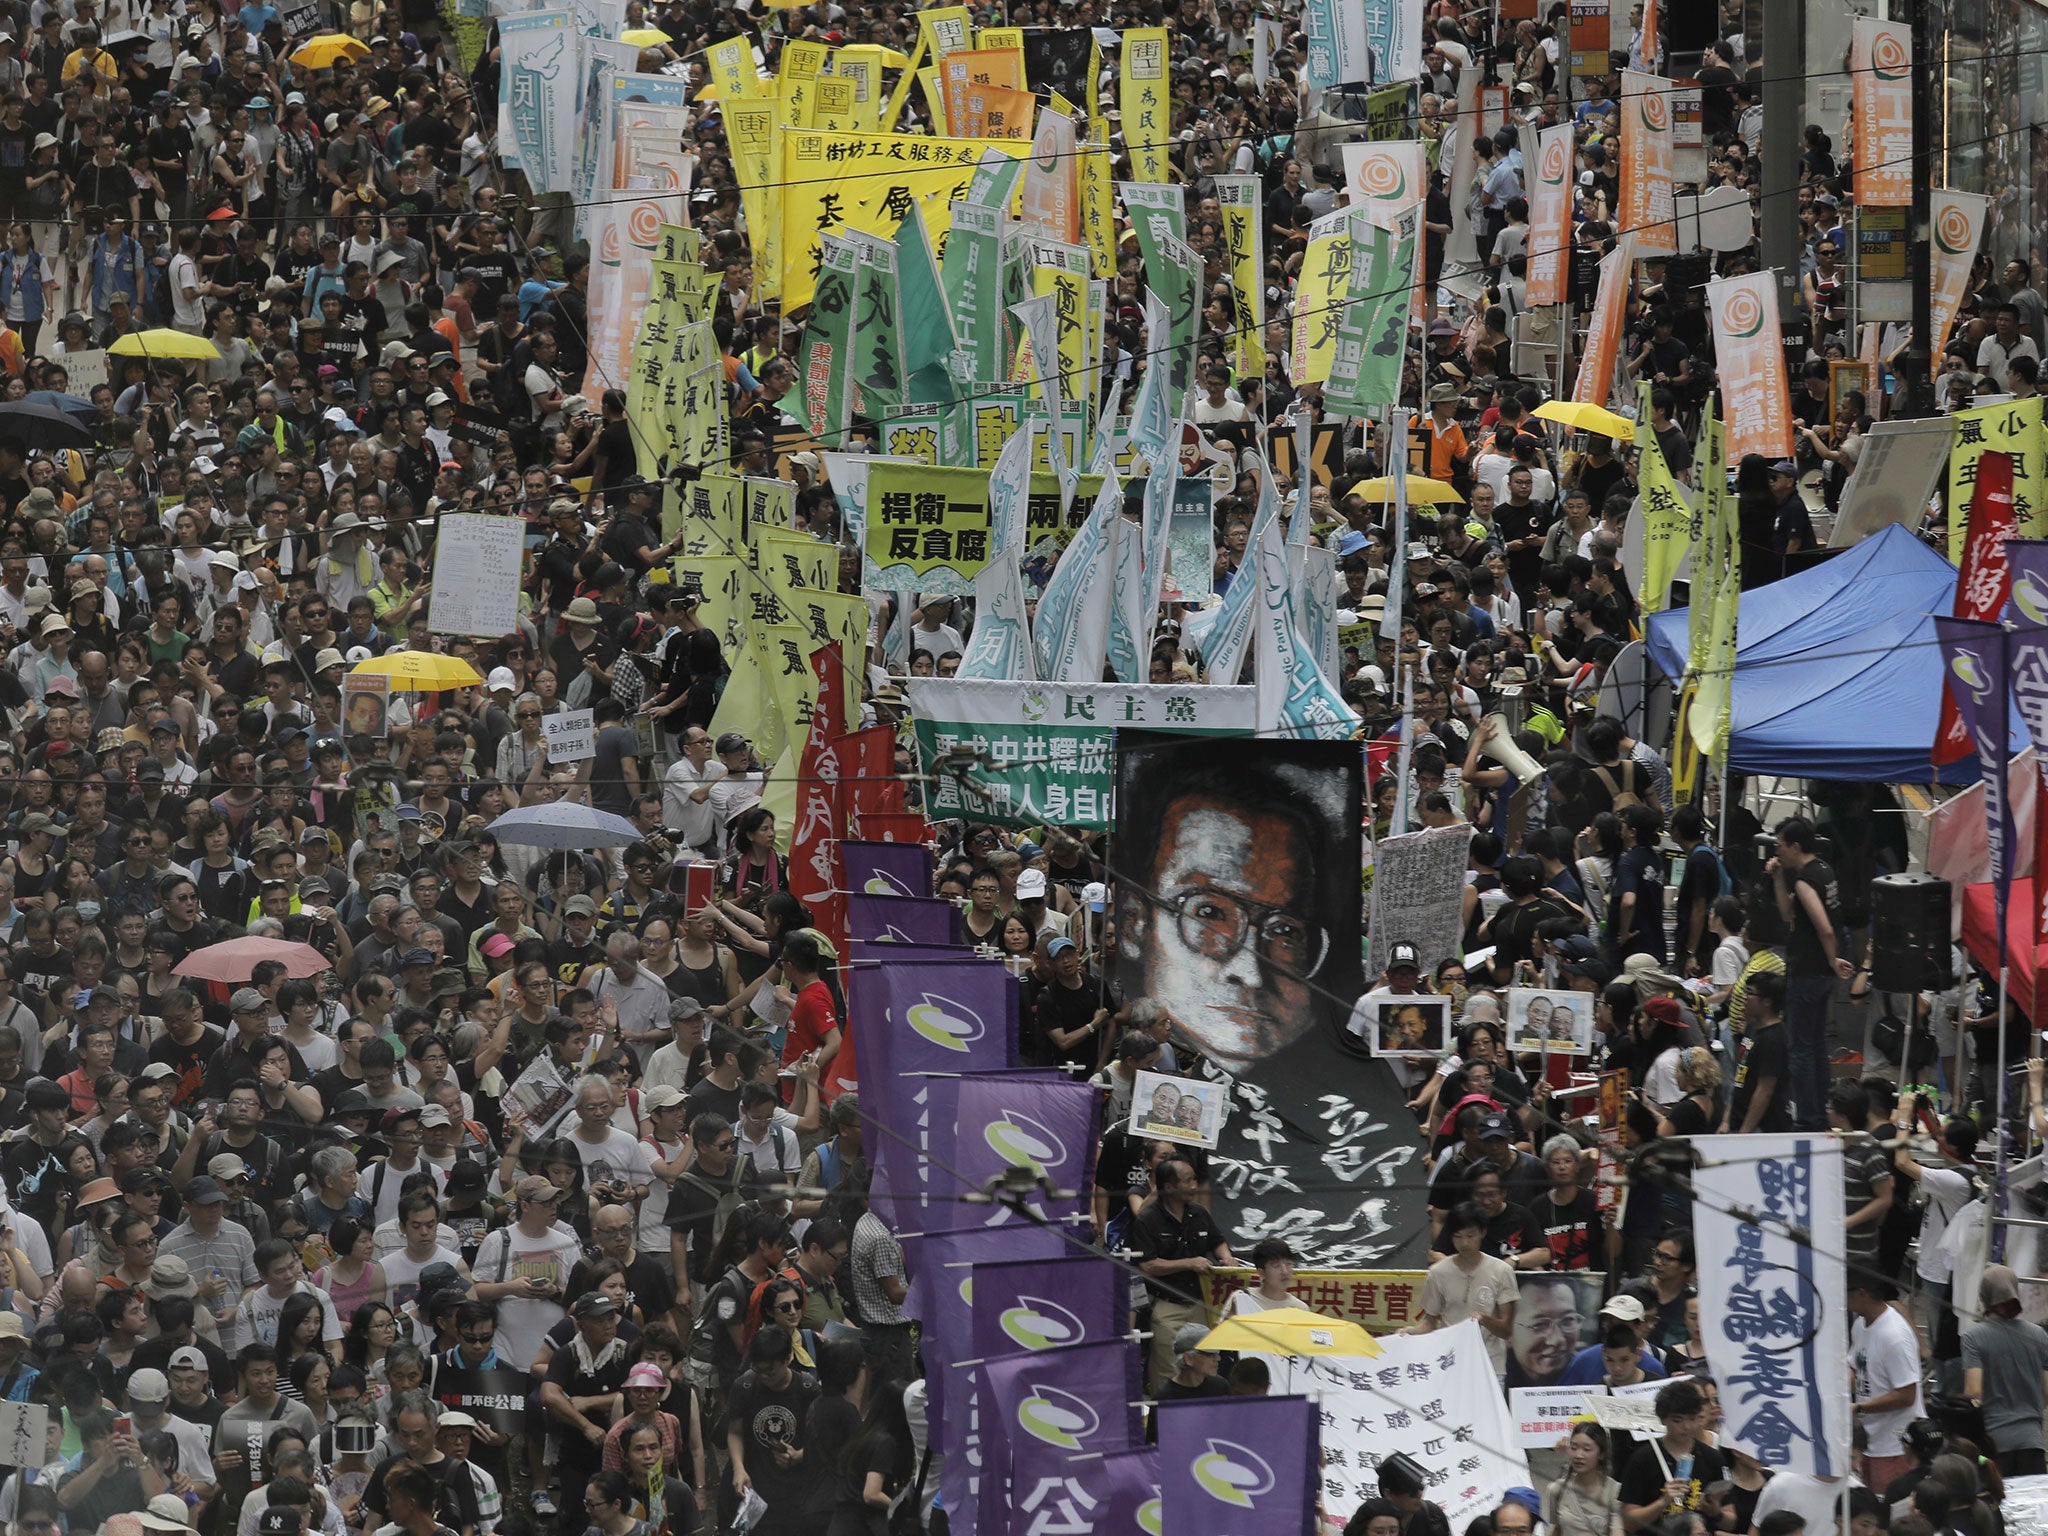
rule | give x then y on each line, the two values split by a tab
645	37
164	342
116	41
1422	492
328	50
71	405
1291	1331
564	826
44	426
236	959
419	671
1587	417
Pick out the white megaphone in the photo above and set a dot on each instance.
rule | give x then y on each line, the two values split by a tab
1497	742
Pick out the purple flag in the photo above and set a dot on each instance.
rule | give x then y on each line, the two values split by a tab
940	1298
902	919
1978	659
1112	1495
887	869
1047	1408
1239	1466
1044	1127
1019	1307
914	1020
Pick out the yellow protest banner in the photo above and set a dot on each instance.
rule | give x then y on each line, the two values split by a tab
2013	428
832	105
927	528
1063	271
860	64
1319	296
717	582
946	30
707	515
1244	239
1098	202
1667	520
784	651
1142	95
1003	39
732	69
752	131
793	560
827	177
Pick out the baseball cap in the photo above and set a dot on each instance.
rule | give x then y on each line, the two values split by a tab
1495	1125
1785	467
227	1166
188	1359
1059	946
501	677
441	1277
247	1000
434	1114
1625	1309
579	906
202	1191
534	1187
467	1177
1404	955
167	1512
278	1521
149	1386
455	1418
663	1096
1031	885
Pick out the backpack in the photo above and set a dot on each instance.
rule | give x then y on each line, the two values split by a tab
725	1201
1624	793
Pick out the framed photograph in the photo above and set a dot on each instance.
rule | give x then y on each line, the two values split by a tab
1559	1022
1185	1110
1558	1315
1409	1026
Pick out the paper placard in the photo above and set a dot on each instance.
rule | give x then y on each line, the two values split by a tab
1543	1415
478	560
84	370
366	705
1559	1023
1184	1110
24	1434
1635	1415
570	736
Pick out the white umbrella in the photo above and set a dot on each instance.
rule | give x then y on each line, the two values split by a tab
564	826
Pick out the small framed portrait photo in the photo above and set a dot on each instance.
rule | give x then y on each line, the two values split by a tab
1558	1022
1185	1110
1409	1026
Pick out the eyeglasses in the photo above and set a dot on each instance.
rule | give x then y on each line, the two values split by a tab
723	1146
1216	925
791	1305
479	1338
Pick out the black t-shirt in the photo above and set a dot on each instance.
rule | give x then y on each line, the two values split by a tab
1156	1235
1171	1391
498	277
1643	1480
189	1061
647	1288
1069	1009
1510	1232
36	1175
693	1202
1639	871
1572	1230
768	1416
1763	1055
1805	955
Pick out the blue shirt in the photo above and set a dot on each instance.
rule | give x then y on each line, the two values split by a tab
1588	1370
257	17
532	294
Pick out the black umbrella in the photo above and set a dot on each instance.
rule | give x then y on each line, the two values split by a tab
42	426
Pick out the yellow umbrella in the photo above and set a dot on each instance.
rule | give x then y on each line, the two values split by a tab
1586	417
1421	492
165	343
328	50
419	671
645	37
1291	1331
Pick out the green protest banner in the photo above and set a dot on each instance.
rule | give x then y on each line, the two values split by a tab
1053	744
826	352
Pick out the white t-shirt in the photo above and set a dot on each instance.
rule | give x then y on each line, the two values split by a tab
1886	1356
402	1274
509	1254
1813	1500
1947	1192
618	1156
188	313
257	1316
318	1054
653	1237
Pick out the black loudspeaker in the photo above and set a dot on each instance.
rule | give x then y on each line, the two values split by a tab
1909	948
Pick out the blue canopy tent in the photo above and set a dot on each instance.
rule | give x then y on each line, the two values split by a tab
1837	674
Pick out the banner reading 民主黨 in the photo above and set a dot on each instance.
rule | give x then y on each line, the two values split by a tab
1550	204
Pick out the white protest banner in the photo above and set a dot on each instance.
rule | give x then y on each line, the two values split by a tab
1431	1396
1543	1415
570	736
1418	882
84	370
24	1434
541	70
1768	1222
477	565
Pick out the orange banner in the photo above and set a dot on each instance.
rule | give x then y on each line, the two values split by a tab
1603	333
1646	200
1958	221
1756	400
1550	223
1881	64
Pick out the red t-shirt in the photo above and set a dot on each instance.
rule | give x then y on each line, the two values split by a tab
810	1019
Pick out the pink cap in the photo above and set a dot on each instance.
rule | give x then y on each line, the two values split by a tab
497	944
645	1375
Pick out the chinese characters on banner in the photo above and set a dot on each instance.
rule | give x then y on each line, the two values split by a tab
1142	93
1378	1300
1595	381
1433	1397
2014	428
1957	220
927	528
1550	225
1768	1221
1756	401
1881	65
542	69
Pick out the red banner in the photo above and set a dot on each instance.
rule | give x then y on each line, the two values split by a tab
896	827
814	877
1983	585
867	766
